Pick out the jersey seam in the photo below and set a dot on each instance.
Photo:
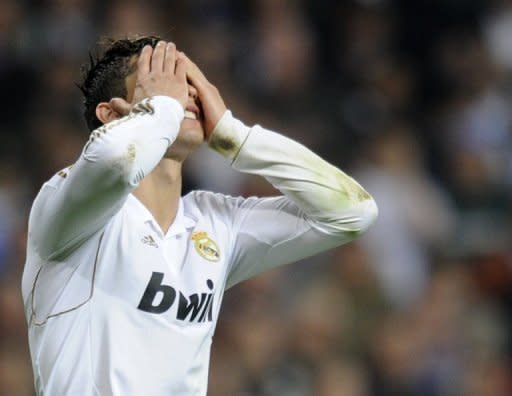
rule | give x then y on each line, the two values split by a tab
241	146
91	293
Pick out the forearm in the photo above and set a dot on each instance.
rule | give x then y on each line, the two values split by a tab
332	200
113	162
129	148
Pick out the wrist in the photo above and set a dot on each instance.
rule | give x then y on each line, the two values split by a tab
228	136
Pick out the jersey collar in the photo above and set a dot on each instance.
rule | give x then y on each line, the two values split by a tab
180	224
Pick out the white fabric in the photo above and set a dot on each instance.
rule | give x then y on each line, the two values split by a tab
93	249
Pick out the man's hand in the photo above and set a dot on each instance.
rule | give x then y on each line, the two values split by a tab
160	71
211	102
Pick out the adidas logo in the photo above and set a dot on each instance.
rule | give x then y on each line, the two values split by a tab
148	240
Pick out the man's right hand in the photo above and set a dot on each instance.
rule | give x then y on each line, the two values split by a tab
160	71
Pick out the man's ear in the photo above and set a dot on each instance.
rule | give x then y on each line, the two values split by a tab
105	112
120	106
116	108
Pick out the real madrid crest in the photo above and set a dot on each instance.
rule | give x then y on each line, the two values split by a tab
205	246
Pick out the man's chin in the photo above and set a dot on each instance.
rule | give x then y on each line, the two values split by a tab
189	139
191	129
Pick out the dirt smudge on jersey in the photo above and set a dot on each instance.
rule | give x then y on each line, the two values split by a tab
131	152
223	145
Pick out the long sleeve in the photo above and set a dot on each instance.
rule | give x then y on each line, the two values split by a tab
322	207
78	202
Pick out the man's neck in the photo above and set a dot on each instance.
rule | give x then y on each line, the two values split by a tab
160	192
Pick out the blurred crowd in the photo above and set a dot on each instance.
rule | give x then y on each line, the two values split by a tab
411	97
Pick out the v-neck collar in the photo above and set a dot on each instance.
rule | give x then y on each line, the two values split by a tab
180	224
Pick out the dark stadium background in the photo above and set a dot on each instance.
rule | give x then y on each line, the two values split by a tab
412	97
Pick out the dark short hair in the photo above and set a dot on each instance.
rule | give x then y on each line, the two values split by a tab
103	78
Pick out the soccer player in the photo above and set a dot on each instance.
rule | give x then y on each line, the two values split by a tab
124	277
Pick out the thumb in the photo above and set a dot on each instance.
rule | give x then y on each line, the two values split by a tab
120	106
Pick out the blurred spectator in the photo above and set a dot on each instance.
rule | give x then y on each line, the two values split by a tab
339	377
497	31
129	18
416	217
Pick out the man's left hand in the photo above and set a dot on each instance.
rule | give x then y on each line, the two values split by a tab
213	106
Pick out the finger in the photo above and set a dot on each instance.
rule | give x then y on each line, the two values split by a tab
195	78
144	61
181	69
120	106
194	74
170	58
157	60
193	67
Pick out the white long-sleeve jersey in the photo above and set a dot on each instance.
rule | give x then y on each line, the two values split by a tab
114	305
